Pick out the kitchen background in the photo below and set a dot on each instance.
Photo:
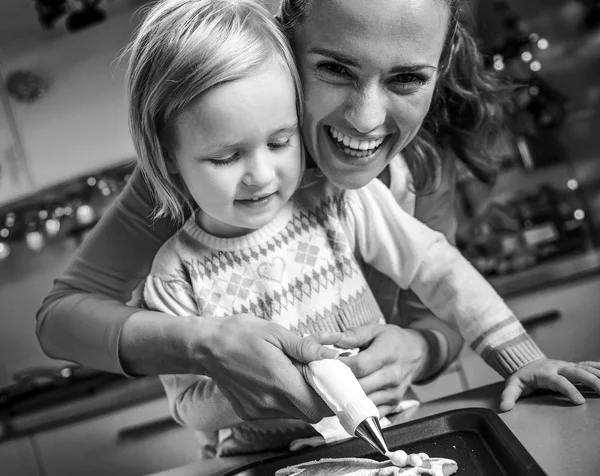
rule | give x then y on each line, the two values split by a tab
65	153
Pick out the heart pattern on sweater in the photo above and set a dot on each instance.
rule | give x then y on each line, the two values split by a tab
272	270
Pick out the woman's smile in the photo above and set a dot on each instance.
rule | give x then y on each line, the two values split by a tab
353	150
355	146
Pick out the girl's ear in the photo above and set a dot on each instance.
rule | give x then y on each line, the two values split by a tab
171	166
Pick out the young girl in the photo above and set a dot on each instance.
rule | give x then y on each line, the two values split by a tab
214	106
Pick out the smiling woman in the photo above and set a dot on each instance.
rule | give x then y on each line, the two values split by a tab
366	102
400	85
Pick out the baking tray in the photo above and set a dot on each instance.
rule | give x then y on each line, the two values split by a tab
476	438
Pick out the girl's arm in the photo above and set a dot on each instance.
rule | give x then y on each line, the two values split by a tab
436	210
416	257
403	307
84	319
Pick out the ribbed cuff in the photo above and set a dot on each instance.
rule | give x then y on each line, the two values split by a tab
438	351
510	359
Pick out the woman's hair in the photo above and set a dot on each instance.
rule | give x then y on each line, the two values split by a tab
468	108
181	49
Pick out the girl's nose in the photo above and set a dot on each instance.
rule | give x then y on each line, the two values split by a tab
366	108
260	171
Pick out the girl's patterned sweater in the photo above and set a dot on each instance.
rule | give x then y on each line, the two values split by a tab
301	272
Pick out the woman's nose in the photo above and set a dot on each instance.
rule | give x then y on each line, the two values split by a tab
260	171
366	108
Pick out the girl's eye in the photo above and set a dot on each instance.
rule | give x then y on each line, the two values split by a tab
333	69
280	144
223	161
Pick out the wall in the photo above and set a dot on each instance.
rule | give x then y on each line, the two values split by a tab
80	123
570	65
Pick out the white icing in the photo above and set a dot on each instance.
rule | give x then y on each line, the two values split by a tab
366	467
414	460
398	458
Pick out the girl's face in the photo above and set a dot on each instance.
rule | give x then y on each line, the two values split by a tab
368	70
238	150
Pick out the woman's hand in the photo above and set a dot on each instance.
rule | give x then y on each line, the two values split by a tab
389	361
548	374
258	366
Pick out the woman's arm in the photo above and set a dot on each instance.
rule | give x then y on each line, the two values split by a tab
195	400
84	318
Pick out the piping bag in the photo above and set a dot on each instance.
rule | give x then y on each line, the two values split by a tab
338	387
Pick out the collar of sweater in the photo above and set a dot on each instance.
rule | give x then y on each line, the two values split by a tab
253	238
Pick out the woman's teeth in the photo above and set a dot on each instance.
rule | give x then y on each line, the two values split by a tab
354	146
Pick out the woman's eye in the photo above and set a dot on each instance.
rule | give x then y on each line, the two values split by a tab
333	69
411	79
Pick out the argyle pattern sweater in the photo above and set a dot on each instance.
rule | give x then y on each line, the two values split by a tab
301	271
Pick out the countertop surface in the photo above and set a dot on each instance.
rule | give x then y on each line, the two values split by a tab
562	438
549	273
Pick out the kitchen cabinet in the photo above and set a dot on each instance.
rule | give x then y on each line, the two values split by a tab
79	124
564	320
17	458
137	440
14	177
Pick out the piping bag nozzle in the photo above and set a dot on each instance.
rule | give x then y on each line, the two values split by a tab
338	387
370	431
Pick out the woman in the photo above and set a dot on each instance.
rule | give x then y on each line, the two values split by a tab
379	77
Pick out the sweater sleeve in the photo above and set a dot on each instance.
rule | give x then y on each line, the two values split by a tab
436	210
195	400
421	259
82	317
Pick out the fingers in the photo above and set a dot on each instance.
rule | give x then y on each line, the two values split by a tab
590	363
512	391
358	336
325	338
363	365
583	375
589	368
561	384
305	349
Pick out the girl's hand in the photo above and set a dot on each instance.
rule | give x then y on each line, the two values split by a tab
548	374
389	360
258	366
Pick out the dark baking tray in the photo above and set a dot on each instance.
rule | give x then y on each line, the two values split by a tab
476	438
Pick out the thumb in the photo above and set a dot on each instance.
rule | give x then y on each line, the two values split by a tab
356	336
305	350
510	395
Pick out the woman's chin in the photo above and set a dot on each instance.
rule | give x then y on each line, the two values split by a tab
349	179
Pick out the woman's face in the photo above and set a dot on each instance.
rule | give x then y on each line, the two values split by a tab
368	70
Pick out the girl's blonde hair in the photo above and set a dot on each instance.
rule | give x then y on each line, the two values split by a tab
181	49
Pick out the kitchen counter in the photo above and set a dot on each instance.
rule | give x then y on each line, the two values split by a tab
561	437
549	273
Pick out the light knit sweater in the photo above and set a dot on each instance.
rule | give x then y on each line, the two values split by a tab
301	272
